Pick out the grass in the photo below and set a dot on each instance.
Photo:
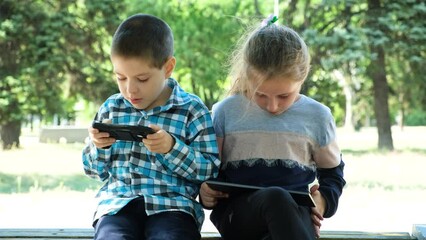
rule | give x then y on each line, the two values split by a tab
385	191
43	167
25	183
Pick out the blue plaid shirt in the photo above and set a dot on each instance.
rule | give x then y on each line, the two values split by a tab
167	182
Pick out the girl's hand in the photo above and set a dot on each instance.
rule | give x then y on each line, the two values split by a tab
318	211
209	197
100	139
160	141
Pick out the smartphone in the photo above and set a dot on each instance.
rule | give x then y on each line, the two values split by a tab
124	132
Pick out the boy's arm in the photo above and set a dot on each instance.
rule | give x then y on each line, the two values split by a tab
95	162
197	158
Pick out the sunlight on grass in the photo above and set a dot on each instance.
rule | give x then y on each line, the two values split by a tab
392	169
23	183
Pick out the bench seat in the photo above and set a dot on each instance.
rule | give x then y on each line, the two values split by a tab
78	234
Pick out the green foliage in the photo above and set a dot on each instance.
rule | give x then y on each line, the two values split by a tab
204	34
10	99
416	118
407	53
62	54
54	53
339	39
24	183
317	88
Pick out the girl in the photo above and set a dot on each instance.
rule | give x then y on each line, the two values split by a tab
270	135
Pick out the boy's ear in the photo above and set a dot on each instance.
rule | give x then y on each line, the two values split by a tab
169	66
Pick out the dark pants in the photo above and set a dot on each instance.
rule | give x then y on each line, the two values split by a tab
269	213
131	222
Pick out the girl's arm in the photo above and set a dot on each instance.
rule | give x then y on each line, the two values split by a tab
331	183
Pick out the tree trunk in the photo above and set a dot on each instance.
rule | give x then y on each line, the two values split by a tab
208	98
381	92
10	133
401	117
288	14
377	72
257	8
345	82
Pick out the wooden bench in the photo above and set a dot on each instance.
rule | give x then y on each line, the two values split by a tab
419	233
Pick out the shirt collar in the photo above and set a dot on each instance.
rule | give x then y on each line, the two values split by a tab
178	97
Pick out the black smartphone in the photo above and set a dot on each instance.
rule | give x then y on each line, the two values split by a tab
124	132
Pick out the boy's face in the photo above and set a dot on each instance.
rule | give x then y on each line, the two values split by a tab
276	95
143	85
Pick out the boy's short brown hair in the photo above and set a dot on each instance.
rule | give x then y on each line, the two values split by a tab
144	36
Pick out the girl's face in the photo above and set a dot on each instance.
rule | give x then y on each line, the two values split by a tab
277	94
141	84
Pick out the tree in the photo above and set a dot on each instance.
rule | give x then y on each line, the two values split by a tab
52	52
365	42
337	45
406	56
12	89
89	30
377	72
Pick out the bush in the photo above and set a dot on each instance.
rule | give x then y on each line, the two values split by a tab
416	118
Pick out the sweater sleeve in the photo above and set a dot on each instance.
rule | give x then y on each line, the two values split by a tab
331	185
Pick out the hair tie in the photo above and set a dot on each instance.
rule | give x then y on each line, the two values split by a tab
269	20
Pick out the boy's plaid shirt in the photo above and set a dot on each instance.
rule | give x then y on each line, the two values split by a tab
168	182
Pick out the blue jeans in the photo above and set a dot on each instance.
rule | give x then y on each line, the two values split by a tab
132	223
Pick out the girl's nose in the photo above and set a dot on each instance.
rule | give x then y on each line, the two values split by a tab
272	106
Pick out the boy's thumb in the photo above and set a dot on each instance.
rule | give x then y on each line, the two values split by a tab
154	127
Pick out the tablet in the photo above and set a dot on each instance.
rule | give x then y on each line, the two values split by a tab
301	198
124	132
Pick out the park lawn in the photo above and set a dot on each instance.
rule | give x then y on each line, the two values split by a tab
385	191
388	171
24	183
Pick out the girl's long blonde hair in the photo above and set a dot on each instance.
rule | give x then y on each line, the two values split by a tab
266	52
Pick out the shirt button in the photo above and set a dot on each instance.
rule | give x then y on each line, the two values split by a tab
136	169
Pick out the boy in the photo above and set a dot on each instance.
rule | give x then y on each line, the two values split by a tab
150	186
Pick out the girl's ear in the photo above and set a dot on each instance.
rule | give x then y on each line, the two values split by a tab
169	66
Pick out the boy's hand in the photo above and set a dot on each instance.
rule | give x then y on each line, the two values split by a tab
318	211
160	141
100	139
209	197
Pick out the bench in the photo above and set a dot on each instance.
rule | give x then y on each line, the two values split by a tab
66	134
419	233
